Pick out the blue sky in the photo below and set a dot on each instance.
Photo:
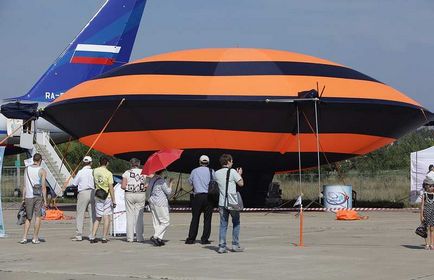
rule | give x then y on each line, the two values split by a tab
392	41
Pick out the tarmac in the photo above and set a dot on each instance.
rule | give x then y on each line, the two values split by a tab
381	247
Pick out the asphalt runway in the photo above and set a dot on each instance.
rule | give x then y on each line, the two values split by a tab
381	247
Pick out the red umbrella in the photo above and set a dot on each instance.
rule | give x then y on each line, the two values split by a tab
160	160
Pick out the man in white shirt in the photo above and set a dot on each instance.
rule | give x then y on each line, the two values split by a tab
34	192
85	198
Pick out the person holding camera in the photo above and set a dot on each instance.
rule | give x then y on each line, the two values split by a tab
34	192
199	179
104	199
228	179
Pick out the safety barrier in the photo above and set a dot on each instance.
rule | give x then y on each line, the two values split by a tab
183	209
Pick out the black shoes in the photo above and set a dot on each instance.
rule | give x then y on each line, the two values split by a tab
155	241
203	242
93	240
161	242
103	240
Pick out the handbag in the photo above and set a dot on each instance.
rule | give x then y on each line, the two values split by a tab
213	190
101	194
421	230
230	206
213	186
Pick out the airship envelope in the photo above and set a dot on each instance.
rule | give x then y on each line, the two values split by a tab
262	106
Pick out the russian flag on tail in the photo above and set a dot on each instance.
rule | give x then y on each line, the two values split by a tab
95	54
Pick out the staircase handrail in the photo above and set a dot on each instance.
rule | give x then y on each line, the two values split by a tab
64	161
44	140
46	163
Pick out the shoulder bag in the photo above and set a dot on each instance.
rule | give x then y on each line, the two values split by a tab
234	207
100	193
22	214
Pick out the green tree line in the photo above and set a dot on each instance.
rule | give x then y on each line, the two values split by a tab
395	156
74	151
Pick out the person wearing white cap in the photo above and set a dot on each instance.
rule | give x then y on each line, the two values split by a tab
86	197
199	179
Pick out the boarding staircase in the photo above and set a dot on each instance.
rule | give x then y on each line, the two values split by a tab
57	169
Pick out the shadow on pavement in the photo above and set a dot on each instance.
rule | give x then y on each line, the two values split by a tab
413	246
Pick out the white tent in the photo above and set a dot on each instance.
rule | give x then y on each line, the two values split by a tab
420	162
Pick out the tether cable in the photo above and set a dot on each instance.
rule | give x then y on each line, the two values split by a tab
96	140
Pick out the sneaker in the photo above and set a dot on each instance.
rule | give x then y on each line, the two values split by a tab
155	241
77	238
189	241
23	241
93	240
237	248
104	240
162	243
36	241
222	250
205	242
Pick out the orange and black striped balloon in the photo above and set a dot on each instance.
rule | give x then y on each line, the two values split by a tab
211	101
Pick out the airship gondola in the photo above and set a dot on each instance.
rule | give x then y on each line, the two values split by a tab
274	111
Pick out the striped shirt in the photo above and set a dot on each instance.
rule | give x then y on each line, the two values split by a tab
159	192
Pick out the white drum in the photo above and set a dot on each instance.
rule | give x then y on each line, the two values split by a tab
337	196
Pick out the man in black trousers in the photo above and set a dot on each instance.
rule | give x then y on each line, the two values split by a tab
201	203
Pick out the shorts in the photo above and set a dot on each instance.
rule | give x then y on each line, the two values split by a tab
33	206
103	207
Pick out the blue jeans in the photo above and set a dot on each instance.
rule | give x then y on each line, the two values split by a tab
224	217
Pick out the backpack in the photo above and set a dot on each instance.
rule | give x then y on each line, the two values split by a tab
349	215
213	186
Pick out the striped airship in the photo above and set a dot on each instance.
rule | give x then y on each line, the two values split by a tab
263	106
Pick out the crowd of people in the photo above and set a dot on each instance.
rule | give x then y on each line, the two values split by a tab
96	195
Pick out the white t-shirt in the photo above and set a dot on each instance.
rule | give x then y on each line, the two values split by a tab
32	173
84	179
220	176
135	180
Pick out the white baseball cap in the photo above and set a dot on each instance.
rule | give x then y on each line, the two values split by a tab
87	159
204	159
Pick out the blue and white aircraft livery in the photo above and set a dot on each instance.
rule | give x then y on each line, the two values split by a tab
104	43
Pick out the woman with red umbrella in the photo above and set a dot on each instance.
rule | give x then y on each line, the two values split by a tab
159	205
159	191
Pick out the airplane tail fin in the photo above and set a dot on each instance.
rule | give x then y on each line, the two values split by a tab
104	43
